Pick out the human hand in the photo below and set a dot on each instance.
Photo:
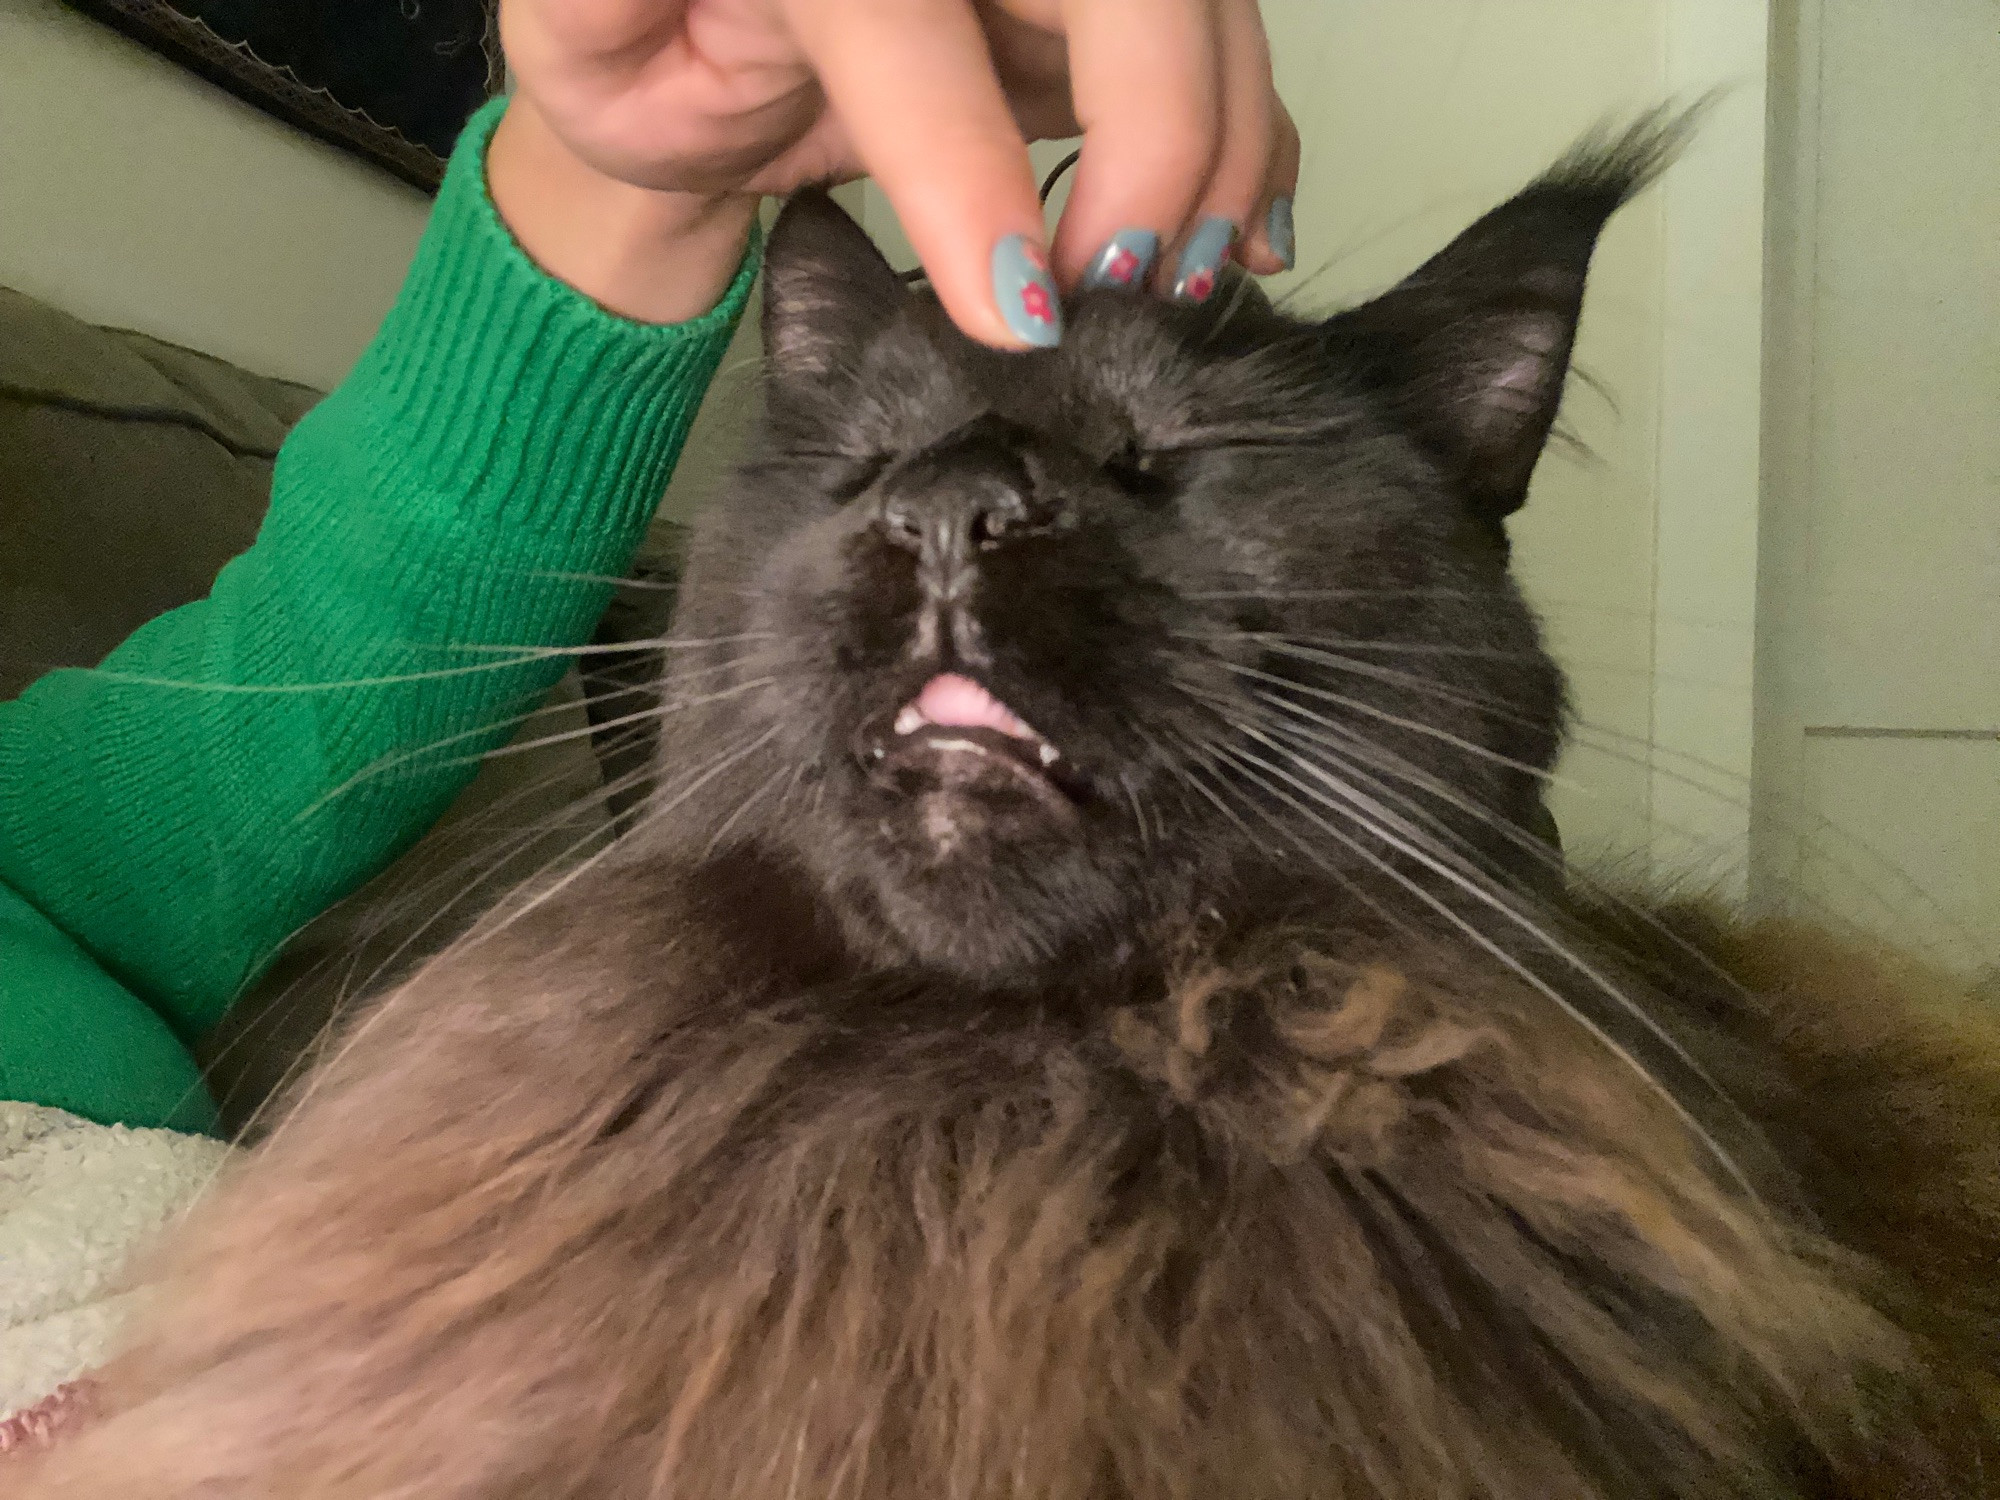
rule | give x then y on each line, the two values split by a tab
680	111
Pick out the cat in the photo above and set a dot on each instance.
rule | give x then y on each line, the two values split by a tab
1087	1012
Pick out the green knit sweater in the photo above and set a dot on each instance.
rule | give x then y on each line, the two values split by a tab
165	819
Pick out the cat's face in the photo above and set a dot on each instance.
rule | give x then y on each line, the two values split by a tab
1017	654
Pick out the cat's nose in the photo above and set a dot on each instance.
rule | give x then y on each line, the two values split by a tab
954	520
972	490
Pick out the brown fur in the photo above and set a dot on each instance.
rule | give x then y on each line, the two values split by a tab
1325	1218
1885	1100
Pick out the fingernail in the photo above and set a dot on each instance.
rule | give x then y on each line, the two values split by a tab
1126	260
1026	293
1278	233
1201	262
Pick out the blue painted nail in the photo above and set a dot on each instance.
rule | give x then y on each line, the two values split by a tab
1201	262
1126	260
1026	293
1278	233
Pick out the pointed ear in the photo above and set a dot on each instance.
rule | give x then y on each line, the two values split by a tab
826	288
1470	353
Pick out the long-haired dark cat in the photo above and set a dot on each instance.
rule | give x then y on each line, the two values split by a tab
1087	1016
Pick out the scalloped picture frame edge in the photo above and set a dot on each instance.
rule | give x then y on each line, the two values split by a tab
276	90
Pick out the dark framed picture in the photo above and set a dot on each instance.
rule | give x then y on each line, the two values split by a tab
391	80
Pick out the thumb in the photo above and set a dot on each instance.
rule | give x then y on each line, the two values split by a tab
915	89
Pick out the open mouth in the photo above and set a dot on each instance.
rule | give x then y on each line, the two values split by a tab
955	736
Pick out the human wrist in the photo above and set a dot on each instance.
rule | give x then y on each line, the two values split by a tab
508	396
646	255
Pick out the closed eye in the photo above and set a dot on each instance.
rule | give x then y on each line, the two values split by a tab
1143	473
840	476
854	476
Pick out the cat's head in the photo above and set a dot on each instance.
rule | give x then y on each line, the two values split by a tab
1014	654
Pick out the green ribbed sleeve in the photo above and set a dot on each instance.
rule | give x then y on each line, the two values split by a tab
172	816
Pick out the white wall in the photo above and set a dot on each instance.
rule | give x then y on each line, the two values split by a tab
1641	554
1878	749
1707	535
132	193
1418	117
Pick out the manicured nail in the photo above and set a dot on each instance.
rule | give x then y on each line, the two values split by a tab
1026	293
1201	262
1278	233
1127	260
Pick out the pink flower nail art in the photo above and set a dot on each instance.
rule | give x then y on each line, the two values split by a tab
1025	293
1121	267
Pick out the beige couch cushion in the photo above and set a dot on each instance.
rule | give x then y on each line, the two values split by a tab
130	471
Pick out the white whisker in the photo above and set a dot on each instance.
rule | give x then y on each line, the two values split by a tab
656	711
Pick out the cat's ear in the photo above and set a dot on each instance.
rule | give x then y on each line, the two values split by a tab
826	288
1470	354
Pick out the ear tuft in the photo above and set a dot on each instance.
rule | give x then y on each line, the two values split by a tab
826	289
1618	165
1471	352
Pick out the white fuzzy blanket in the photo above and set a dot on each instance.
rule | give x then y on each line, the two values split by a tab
76	1201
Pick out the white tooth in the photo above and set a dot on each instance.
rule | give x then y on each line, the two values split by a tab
1049	753
910	720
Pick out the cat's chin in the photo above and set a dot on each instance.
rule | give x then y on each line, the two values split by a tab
960	861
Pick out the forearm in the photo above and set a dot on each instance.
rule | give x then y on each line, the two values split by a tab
238	765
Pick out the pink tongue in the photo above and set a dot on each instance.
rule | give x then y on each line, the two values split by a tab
960	703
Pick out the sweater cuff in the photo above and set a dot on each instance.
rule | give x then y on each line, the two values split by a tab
511	397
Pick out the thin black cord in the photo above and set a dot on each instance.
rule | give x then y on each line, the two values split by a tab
1048	186
1056	175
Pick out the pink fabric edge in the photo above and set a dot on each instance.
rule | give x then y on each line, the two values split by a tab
41	1424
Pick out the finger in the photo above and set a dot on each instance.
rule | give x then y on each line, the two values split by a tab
1032	59
1268	245
1147	80
916	92
1237	188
